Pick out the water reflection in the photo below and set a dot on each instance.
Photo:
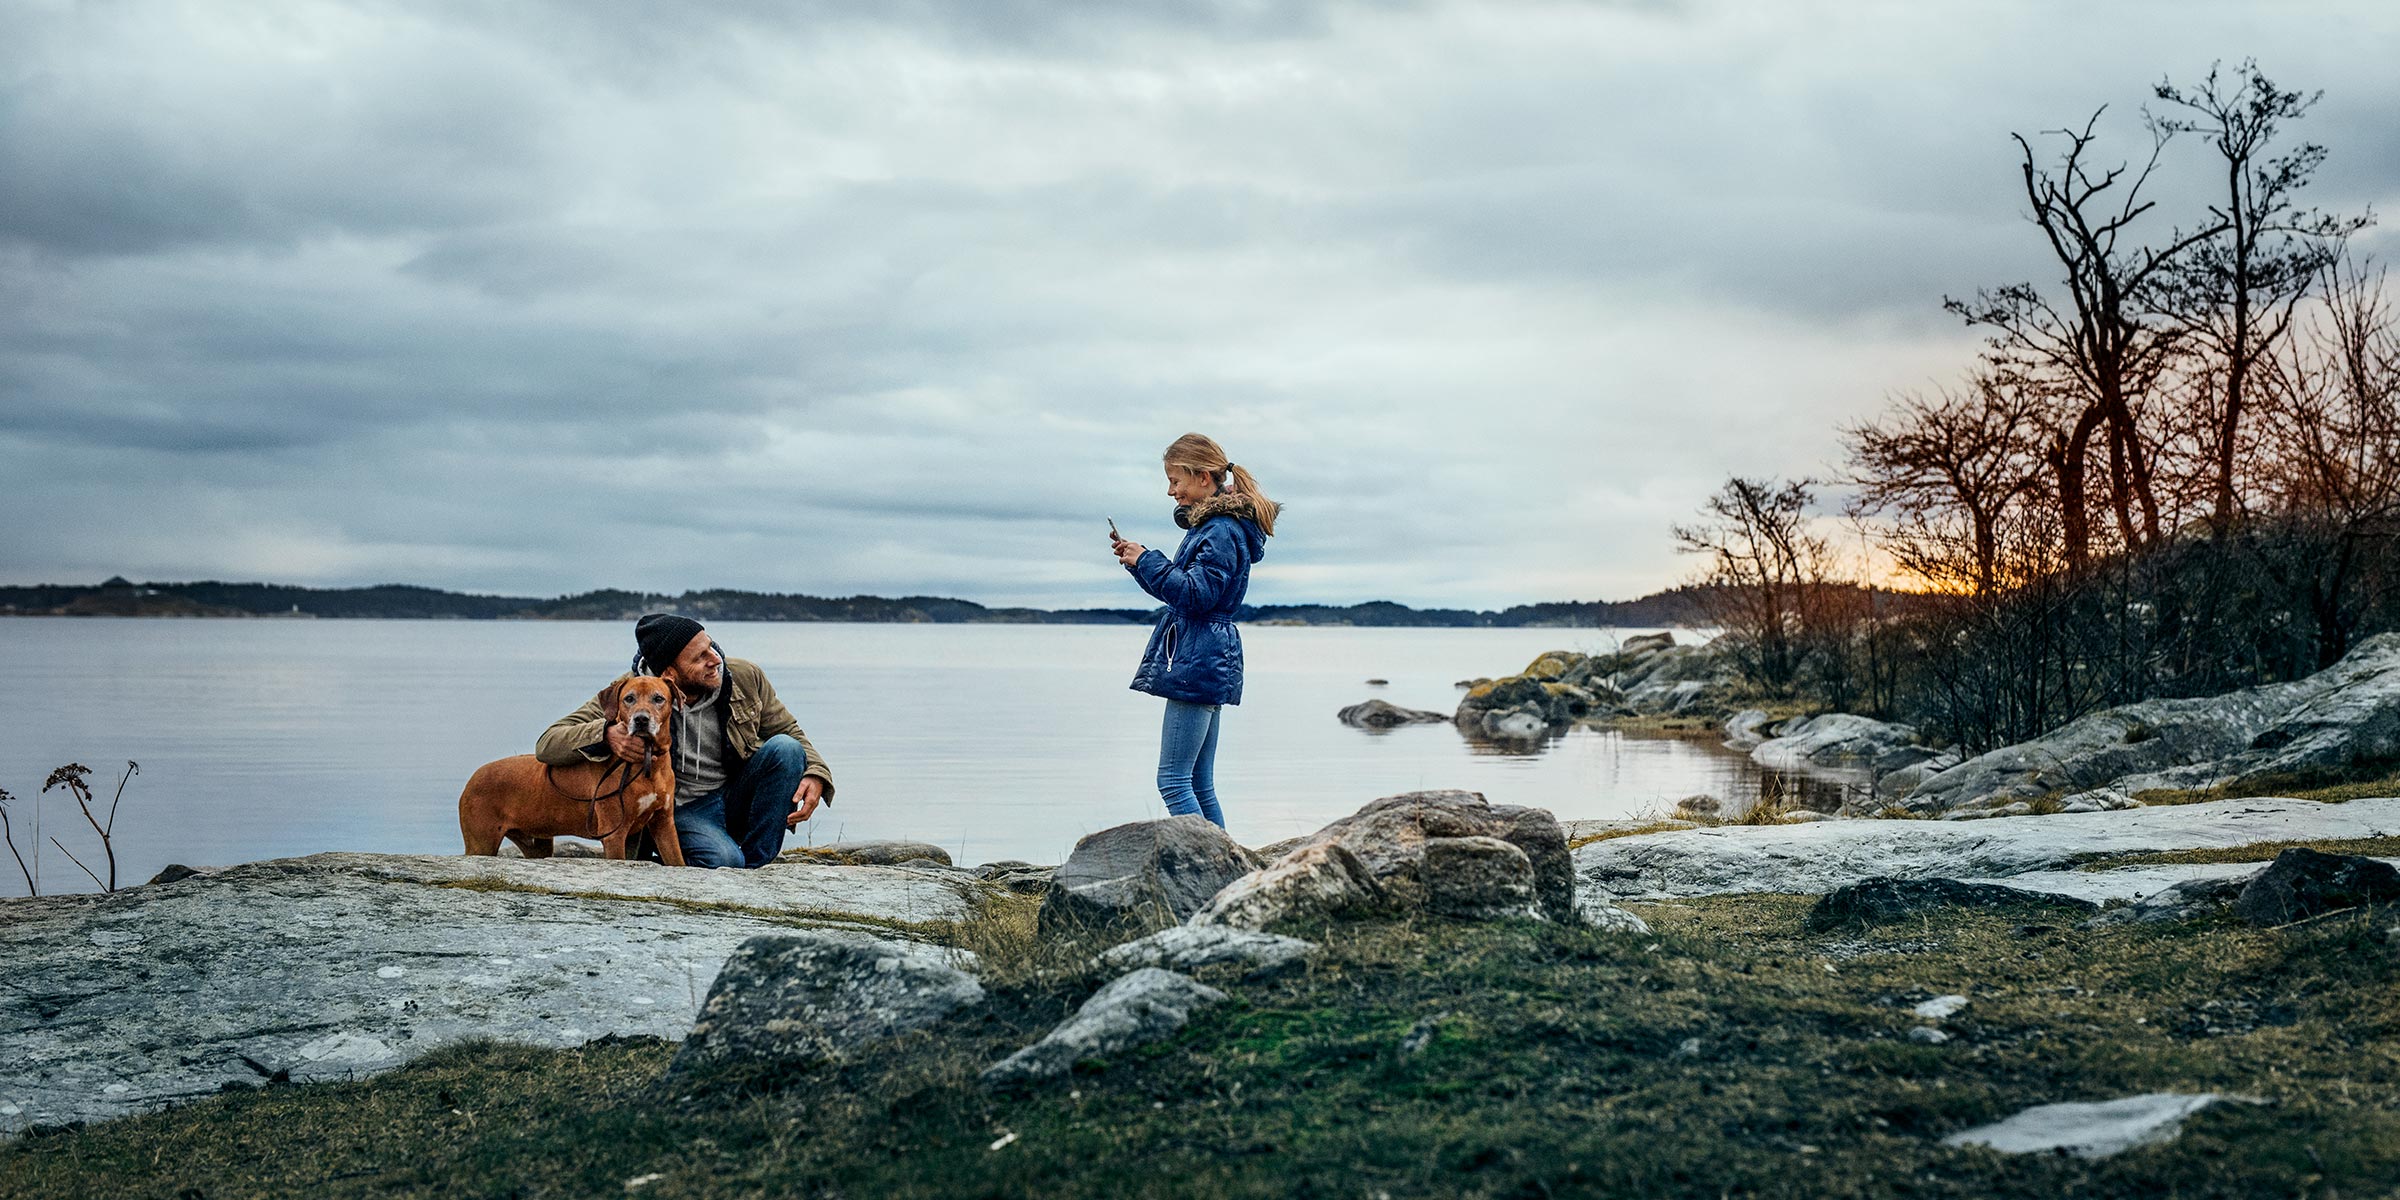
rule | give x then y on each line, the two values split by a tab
1639	754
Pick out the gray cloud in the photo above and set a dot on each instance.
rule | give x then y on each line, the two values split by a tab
906	298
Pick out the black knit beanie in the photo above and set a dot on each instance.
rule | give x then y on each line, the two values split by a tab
660	639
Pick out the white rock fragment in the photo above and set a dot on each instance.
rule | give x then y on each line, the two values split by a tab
2094	1130
390	972
1940	1007
1927	1035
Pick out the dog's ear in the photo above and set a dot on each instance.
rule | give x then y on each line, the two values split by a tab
608	700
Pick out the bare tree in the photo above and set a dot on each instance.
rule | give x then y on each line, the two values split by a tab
1764	561
2101	344
1946	473
2235	292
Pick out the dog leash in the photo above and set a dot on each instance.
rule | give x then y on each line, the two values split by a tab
631	773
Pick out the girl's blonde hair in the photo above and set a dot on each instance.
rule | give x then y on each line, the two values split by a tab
1201	456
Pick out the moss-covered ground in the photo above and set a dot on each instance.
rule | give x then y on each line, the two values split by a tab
1727	1054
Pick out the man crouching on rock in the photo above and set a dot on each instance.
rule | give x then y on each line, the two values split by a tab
744	773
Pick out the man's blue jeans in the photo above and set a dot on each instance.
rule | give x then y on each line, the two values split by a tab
741	824
1187	761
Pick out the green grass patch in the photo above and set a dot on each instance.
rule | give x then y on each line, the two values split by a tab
1728	1053
2334	787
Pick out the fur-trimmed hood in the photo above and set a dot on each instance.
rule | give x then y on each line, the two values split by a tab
1223	504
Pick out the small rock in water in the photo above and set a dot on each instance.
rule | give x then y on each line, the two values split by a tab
1940	1007
2090	1130
1927	1035
1379	683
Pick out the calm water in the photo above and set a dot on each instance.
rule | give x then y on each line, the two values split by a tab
260	739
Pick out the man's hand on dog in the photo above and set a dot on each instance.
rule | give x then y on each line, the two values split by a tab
627	747
810	793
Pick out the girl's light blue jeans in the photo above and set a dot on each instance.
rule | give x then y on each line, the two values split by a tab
1187	761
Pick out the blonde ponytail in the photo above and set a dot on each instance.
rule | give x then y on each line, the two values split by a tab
1199	455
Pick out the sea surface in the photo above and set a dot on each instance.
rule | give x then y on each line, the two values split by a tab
265	738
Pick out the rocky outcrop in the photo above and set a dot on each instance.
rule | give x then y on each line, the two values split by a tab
1840	740
2182	901
1142	875
1882	901
1379	714
1520	707
2303	883
1191	947
1136	1009
2342	718
342	965
1817	858
1391	854
789	1002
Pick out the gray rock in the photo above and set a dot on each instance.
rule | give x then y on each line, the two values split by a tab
1814	859
868	854
2343	716
1941	1007
1005	866
1927	1035
1388	841
1646	643
1478	879
2177	902
1318	878
1191	947
1840	739
343	965
1379	714
1527	706
1142	1007
1598	912
1700	806
788	1002
2090	1130
1882	901
1147	873
2303	883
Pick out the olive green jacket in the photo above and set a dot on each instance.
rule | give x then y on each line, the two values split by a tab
752	715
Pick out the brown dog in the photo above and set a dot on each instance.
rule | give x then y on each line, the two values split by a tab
528	802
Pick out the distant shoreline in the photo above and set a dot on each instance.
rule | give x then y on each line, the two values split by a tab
1679	607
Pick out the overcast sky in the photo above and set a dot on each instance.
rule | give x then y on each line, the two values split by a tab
890	296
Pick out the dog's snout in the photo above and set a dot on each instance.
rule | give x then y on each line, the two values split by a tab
640	724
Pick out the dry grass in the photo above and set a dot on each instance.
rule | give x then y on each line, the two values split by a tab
2259	852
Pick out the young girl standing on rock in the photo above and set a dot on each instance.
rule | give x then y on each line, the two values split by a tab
1194	660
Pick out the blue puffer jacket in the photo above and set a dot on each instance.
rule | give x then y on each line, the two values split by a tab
1195	653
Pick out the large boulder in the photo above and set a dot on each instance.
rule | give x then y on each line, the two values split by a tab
1143	874
1748	728
338	966
1140	1007
1378	714
1395	853
1676	681
2303	883
2343	718
1317	878
788	1002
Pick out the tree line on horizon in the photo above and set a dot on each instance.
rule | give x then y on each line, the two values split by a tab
1679	606
2173	469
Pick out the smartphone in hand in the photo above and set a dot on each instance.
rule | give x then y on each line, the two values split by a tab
1113	535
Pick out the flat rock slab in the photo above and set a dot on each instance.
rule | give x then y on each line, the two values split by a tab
784	888
337	966
2090	1130
1813	859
